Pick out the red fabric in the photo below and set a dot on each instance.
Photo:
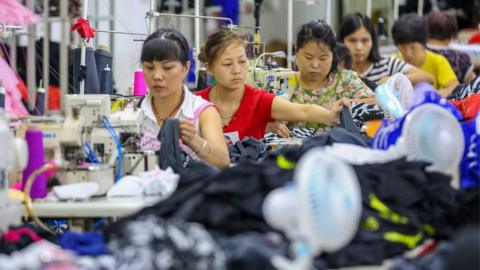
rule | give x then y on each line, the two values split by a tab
16	235
469	107
475	39
23	89
253	114
53	98
83	28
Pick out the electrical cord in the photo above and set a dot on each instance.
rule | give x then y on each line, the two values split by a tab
28	187
109	127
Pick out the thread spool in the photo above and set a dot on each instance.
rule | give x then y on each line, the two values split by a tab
2	97
106	82
103	59
36	160
92	82
40	100
139	84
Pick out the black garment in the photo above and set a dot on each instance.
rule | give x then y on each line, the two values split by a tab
230	201
466	250
252	250
400	199
436	261
371	84
467	208
247	149
336	135
150	242
461	253
171	155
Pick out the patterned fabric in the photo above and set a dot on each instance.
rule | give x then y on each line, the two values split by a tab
459	61
341	84
387	66
463	90
150	242
362	112
295	133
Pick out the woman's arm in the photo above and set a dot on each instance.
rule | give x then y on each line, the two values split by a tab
210	146
371	100
283	110
416	75
448	89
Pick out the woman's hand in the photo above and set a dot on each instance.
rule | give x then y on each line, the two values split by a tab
337	107
339	104
278	128
187	132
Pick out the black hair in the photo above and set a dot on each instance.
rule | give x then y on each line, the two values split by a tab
354	21
410	28
318	31
165	44
441	25
343	55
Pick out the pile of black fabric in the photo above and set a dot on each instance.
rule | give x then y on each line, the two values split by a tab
461	253
229	203
403	204
247	149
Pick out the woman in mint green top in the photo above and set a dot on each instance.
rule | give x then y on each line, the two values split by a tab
319	81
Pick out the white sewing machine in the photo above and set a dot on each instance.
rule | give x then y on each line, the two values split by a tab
13	157
275	80
88	120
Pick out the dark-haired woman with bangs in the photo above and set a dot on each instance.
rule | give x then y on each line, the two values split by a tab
357	32
165	60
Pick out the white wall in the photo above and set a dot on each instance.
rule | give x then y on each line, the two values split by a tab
273	17
129	16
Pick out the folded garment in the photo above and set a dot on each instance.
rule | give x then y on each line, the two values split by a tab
77	191
152	183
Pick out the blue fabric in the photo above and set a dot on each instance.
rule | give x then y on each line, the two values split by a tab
90	243
191	77
470	163
388	133
230	9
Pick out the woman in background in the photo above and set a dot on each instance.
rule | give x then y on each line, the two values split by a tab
244	110
442	28
357	32
320	80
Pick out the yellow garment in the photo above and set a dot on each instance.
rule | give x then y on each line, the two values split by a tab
438	66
